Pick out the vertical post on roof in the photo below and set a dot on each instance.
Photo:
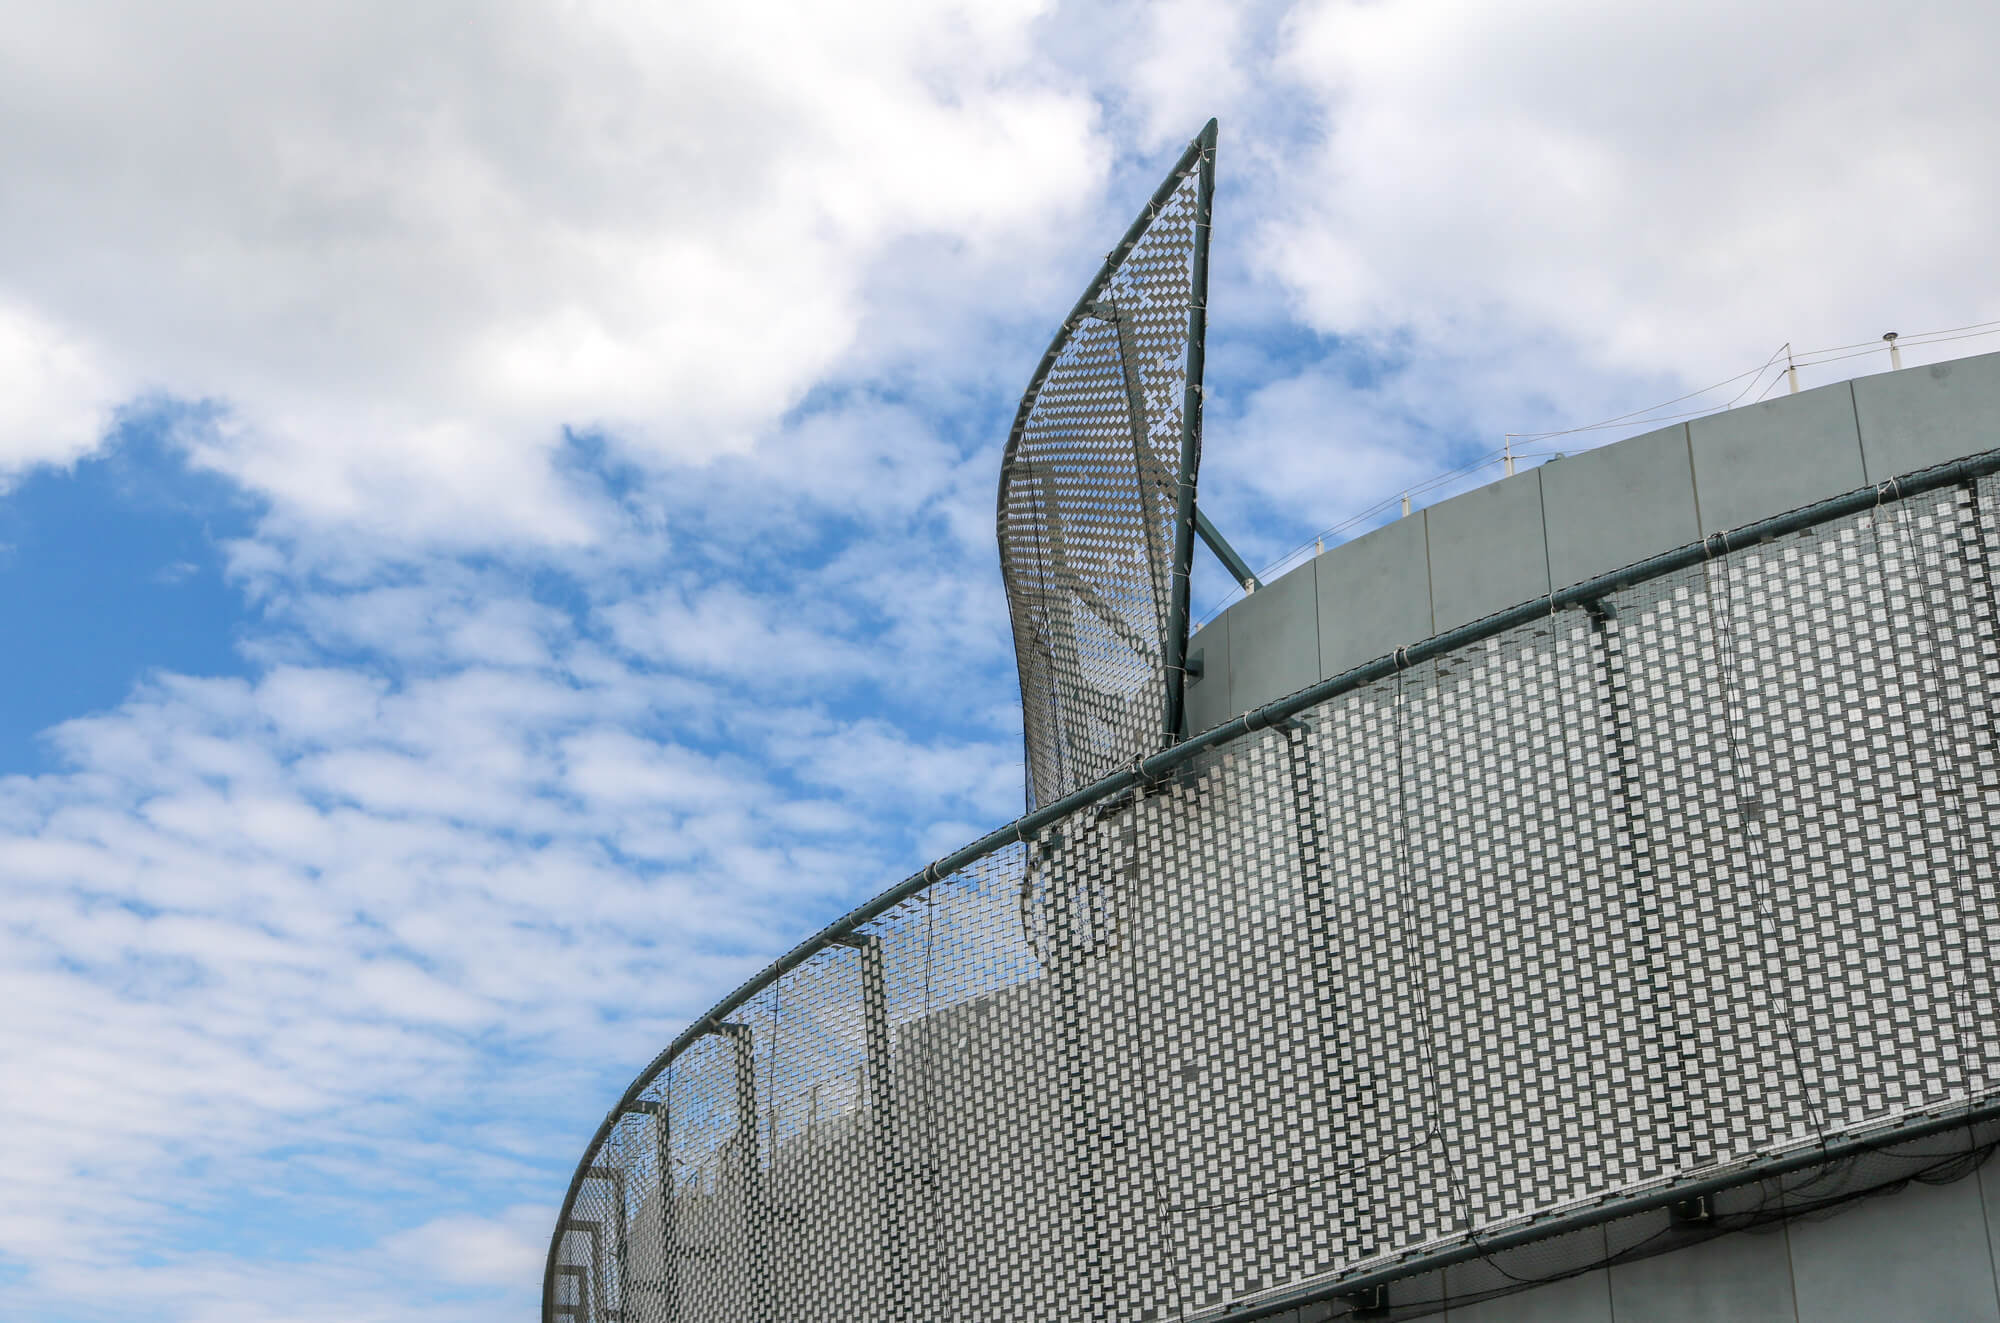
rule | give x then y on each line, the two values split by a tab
742	1050
878	1100
661	1110
1177	611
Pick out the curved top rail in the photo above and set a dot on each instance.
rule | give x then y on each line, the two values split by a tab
1203	144
1158	767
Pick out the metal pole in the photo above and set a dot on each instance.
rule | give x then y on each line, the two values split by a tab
618	1241
742	1048
880	1079
662	1116
1177	611
1146	468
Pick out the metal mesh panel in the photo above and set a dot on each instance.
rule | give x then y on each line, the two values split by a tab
1089	516
1623	898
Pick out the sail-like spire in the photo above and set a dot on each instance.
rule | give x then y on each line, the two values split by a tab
1096	504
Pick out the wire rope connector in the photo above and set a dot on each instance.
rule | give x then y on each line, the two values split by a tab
1145	779
1601	611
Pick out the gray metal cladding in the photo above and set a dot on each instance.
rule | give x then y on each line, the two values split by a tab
1089	514
1623	900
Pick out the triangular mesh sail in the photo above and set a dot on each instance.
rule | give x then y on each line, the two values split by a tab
1096	498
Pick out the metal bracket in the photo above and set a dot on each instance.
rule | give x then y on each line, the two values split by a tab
1369	1302
1239	569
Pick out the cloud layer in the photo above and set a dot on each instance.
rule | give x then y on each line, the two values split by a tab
409	249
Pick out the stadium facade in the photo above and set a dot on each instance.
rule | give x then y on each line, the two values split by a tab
1575	900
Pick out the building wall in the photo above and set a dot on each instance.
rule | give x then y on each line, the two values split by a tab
1924	1254
1581	516
1603	903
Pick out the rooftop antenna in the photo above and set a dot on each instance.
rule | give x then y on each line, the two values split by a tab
1791	368
1895	354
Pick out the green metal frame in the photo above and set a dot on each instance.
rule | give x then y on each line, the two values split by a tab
1184	512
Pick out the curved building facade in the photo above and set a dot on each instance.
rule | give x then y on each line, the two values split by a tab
1571	901
1474	942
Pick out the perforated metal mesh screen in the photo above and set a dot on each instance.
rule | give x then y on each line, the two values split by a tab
1087	510
1615	899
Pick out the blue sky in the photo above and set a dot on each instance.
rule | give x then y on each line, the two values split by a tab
495	504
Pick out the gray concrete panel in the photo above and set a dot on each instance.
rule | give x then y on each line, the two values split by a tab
1208	697
1374	595
1487	550
1764	459
1989	1196
1274	640
1607	508
1919	1254
1926	415
1585	1298
1740	1278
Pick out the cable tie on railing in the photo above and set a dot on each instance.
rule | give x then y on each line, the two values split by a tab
1402	656
1894	489
1711	543
1145	778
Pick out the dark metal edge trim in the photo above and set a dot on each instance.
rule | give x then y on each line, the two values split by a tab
1180	572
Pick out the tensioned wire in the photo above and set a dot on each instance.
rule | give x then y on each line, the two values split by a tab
1154	769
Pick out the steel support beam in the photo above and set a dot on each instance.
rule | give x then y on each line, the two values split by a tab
1239	568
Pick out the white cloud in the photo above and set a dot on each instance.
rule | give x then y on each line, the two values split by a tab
1679	186
505	1249
58	399
404	249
